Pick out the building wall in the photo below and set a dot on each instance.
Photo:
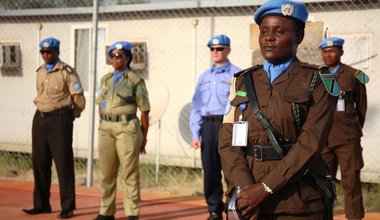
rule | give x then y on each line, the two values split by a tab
172	72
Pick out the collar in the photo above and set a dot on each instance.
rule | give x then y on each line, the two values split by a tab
335	70
221	69
50	66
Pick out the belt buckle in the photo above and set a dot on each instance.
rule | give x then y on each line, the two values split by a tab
258	152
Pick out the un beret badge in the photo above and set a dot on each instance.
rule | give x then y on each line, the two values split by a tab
46	44
330	43
119	46
215	41
287	9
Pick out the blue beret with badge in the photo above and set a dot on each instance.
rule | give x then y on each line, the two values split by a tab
50	43
331	42
286	8
219	40
120	45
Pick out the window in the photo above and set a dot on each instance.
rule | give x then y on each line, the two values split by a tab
10	59
82	54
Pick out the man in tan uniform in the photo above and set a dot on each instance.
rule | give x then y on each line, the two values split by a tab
59	100
121	136
277	184
343	145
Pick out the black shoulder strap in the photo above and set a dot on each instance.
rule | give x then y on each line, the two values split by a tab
274	136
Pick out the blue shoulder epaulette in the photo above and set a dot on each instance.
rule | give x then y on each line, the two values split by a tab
250	69
328	80
362	77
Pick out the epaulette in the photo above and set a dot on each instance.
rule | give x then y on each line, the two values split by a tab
106	77
362	77
307	65
38	68
133	77
68	68
328	80
250	69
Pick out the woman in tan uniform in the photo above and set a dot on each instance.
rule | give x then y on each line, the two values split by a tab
277	185
121	136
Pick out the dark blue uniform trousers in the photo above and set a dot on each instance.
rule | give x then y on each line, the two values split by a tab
213	189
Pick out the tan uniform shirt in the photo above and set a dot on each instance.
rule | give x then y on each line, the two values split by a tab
348	125
59	88
125	97
292	194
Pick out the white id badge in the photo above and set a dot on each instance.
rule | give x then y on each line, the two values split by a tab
240	134
340	105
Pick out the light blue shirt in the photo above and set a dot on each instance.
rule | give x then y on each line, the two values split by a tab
117	76
275	71
211	95
50	67
335	70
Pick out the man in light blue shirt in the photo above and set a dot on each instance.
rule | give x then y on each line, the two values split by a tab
208	106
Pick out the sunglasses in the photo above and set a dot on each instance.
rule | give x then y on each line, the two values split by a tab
217	48
46	51
116	55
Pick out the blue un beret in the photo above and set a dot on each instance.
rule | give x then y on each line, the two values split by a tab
219	40
331	42
285	8
49	43
120	45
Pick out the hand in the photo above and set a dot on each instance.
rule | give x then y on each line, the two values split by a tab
196	144
249	200
143	144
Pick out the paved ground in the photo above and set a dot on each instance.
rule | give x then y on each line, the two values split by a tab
15	195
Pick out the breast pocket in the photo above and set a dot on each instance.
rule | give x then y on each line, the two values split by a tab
298	106
125	92
205	89
55	85
223	91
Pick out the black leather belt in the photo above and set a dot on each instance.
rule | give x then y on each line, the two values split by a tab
62	111
212	118
265	152
117	118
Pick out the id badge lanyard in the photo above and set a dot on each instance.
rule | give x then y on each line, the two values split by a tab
240	129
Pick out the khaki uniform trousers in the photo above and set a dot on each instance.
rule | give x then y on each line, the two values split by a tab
119	147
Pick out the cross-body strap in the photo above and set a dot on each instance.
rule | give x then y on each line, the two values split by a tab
274	136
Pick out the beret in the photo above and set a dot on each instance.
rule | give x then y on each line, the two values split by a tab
219	40
331	42
120	45
49	43
285	8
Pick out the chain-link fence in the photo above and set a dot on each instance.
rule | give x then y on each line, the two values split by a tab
170	47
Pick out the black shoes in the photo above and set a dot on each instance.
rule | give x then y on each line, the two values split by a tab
132	217
36	211
104	217
65	214
215	216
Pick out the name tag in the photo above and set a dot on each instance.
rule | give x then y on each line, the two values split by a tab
340	105
240	134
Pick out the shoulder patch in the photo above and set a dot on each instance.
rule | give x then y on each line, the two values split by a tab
248	70
228	108
77	86
362	77
329	81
